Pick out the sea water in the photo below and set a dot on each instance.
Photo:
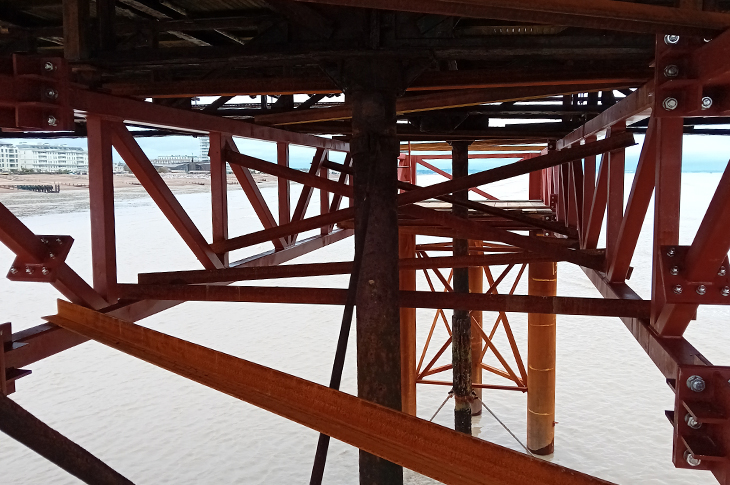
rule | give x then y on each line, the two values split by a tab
158	428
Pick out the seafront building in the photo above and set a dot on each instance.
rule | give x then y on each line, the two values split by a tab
8	157
43	157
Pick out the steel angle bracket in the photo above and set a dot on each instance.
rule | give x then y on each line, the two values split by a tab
45	271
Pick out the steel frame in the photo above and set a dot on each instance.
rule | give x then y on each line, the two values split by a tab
563	177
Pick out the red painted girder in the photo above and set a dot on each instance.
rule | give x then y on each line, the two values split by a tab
576	183
101	207
45	340
598	207
324	198
589	188
126	109
709	63
476	190
283	185
26	245
306	194
523	167
345	178
668	320
636	209
251	189
615	201
633	108
427	448
218	191
147	175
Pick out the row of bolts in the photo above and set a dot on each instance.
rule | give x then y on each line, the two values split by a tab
701	289
44	270
671	71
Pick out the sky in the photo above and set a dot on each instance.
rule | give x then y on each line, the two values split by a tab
701	153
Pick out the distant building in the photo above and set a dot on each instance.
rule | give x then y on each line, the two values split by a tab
8	157
44	157
204	147
182	163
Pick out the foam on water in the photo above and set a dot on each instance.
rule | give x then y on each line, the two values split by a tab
155	427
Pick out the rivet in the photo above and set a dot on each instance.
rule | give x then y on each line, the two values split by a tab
671	39
696	383
29	270
674	270
706	102
722	271
372	282
671	252
58	240
670	104
678	289
671	71
701	290
51	120
13	270
51	255
45	270
44	240
49	66
51	93
725	291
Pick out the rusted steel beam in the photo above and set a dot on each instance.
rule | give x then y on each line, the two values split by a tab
434	101
636	209
101	208
550	159
615	201
589	188
27	246
598	206
633	108
427	448
76	34
597	14
476	385
476	190
409	299
45	340
253	193
141	166
130	110
218	192
22	426
306	194
284	186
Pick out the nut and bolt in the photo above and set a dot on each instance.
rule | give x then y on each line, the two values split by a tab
706	102
671	252
701	290
49	66
722	271
671	71
691	460
58	240
29	270
45	271
671	39
725	291
44	240
51	255
51	93
692	421
696	383
674	270
51	120
13	270
670	104
678	289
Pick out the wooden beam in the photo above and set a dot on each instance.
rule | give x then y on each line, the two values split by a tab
427	448
76	29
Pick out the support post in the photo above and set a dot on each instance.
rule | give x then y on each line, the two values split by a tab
76	29
282	158
375	149
461	321
541	336
218	192
476	285
407	249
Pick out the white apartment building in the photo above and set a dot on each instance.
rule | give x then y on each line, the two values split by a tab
174	160
8	157
204	147
44	157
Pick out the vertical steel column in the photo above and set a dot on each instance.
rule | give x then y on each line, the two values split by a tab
375	149
476	285
218	191
461	322
407	249
324	197
101	208
541	335
282	158
615	201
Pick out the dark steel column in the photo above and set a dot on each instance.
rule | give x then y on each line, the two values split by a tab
374	147
461	322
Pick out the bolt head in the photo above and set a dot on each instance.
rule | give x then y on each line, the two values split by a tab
44	240
671	252
671	71
722	271
706	102
51	255
58	240
701	290
670	104
45	271
696	383
29	270
671	39
725	291
690	459
677	289
692	421
51	120
51	93
49	66
674	270
13	270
